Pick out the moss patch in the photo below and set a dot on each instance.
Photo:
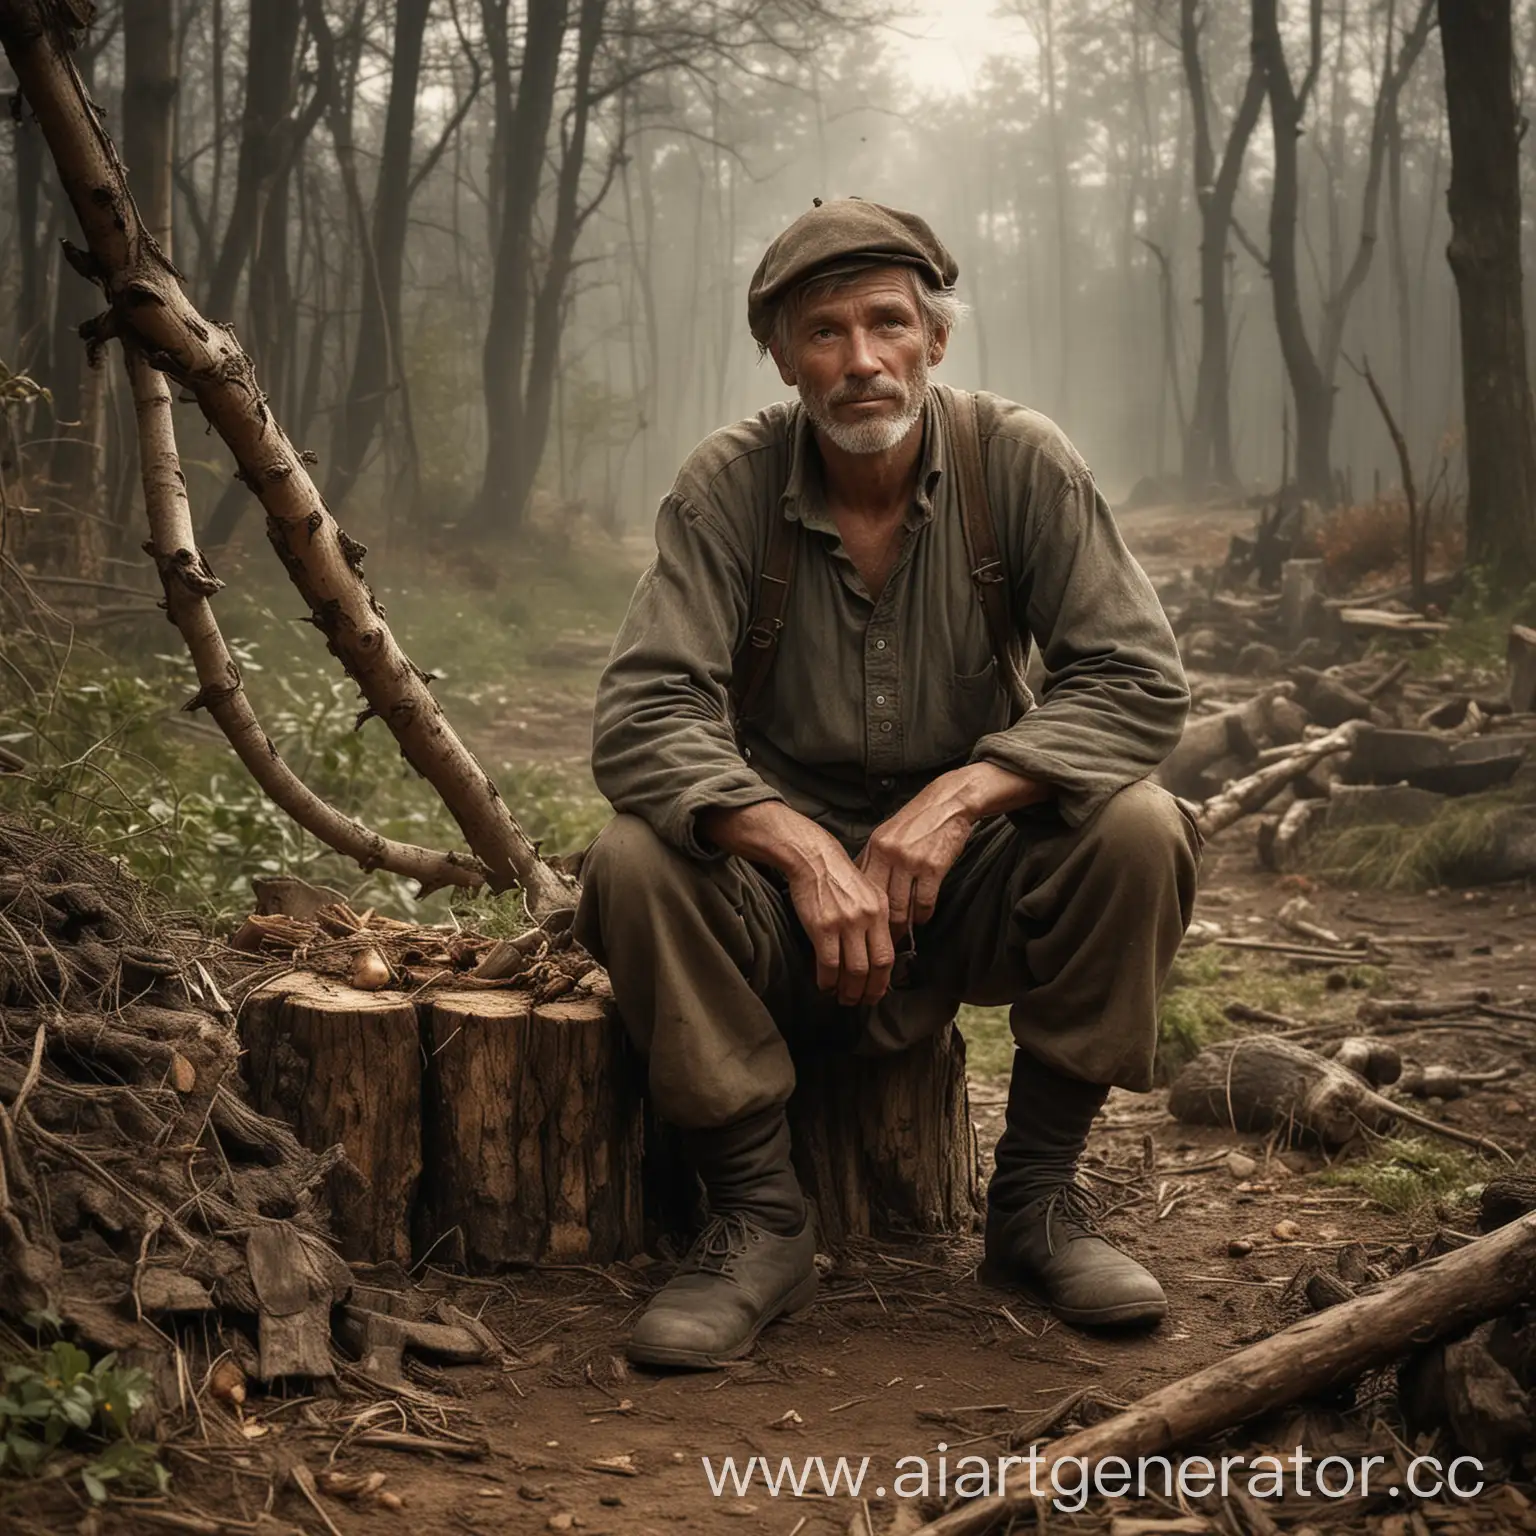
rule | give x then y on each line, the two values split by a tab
1410	1176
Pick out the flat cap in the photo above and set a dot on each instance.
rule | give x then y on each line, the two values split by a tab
840	230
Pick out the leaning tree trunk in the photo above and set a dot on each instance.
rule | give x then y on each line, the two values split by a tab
1486	127
149	307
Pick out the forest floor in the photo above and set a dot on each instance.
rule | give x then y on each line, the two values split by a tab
907	1353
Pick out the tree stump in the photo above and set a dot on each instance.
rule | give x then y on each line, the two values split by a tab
340	1065
885	1144
531	1131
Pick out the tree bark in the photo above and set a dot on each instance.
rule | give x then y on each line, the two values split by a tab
1486	126
532	1127
884	1145
344	1066
149	307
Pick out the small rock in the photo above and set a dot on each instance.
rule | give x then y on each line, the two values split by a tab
1513	1107
1240	1247
532	1494
1286	1231
1241	1166
1295	1161
562	1521
609	1500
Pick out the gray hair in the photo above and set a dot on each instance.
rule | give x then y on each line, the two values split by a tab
939	308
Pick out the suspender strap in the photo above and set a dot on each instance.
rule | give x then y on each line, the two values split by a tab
989	576
754	660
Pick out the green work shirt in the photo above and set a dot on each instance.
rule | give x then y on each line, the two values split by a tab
870	699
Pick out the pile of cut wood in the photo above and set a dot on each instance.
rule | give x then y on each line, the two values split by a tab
1357	743
138	1188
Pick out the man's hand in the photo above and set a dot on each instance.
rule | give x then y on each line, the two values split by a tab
908	856
842	911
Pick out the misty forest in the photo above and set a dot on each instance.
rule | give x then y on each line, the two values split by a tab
347	348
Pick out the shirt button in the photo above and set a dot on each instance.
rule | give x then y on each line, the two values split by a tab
887	783
879	698
879	645
885	725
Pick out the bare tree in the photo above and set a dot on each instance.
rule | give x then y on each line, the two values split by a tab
1208	444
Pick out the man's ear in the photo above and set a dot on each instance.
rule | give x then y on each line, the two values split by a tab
937	346
782	363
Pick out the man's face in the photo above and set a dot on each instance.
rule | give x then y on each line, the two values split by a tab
860	356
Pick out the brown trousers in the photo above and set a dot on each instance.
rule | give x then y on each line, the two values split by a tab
1074	928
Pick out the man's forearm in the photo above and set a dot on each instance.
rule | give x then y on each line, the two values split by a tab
985	789
769	833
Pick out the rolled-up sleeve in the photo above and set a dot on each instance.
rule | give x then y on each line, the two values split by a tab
1115	696
664	748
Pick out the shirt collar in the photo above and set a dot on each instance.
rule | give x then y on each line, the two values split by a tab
804	499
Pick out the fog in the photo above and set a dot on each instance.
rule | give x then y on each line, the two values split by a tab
492	262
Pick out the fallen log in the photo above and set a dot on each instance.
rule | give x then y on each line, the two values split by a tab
1263	1083
1237	732
1433	1300
1244	796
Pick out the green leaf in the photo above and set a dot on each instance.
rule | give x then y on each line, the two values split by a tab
93	1485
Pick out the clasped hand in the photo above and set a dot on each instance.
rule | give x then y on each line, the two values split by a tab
854	910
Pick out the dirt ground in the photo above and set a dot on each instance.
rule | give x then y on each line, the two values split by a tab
906	1352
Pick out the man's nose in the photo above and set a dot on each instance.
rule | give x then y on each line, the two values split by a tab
863	362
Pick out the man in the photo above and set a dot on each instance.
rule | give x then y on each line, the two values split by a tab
819	758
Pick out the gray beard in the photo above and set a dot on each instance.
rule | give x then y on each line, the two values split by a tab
863	437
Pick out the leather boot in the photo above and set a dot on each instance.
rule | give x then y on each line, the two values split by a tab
754	1261
1042	1225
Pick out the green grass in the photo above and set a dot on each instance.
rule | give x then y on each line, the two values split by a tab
1475	643
1388	856
988	1041
112	756
1192	1014
1204	981
1409	1176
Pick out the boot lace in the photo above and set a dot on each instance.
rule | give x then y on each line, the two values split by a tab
723	1241
1071	1211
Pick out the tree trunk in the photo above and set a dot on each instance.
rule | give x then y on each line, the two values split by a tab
342	1066
1486	127
504	355
149	91
269	88
1208	454
377	366
1287	109
884	1145
532	1131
